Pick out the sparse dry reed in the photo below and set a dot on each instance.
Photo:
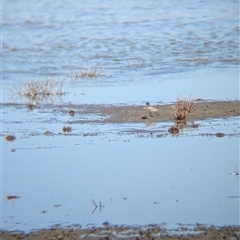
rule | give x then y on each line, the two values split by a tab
139	64
183	107
195	62
36	90
90	72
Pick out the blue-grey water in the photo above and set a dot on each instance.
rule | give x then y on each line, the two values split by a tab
52	38
144	51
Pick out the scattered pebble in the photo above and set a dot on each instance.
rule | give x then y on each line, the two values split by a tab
10	137
220	134
66	129
195	125
71	112
173	130
47	133
90	134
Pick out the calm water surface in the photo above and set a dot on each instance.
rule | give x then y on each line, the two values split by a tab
140	178
145	51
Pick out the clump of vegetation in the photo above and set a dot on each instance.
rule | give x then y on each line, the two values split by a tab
90	72
10	137
66	129
183	107
35	90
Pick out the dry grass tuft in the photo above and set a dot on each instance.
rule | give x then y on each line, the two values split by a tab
183	107
90	72
10	137
35	90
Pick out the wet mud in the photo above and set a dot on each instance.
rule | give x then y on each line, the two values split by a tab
200	111
120	232
136	114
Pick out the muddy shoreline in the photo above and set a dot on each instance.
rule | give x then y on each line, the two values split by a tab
134	114
121	232
200	111
109	114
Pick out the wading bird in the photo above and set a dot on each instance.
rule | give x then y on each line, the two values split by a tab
152	110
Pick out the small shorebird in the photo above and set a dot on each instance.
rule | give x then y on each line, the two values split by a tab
236	173
152	110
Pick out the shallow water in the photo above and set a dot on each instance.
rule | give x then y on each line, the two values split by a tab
140	173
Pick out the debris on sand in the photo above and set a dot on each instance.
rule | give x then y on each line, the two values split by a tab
10	137
220	134
12	197
66	129
173	130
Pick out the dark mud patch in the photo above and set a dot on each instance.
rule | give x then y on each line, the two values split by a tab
121	232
